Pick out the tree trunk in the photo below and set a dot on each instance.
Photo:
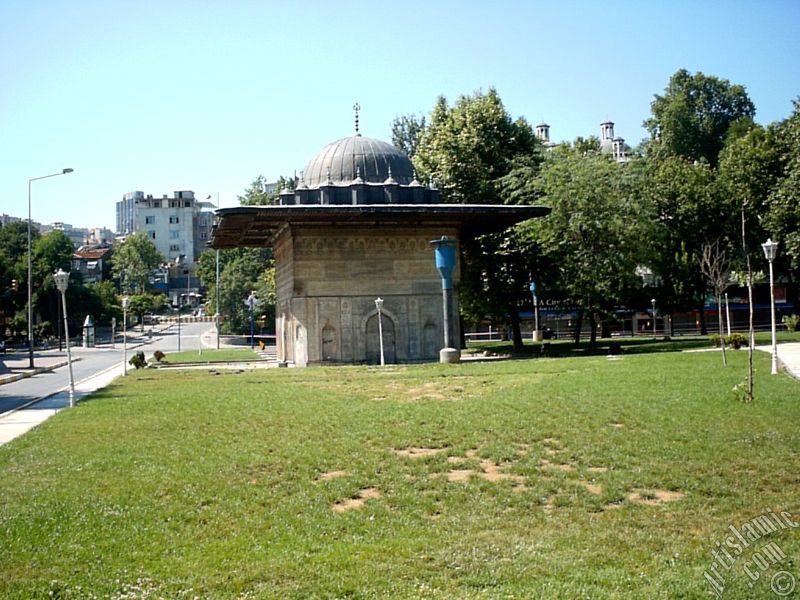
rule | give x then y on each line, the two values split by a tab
592	329
578	327
605	331
516	333
721	331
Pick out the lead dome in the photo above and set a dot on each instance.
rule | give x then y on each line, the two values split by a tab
345	159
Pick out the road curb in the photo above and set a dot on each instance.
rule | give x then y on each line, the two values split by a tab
36	371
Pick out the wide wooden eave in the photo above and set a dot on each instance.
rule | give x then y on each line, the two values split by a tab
256	226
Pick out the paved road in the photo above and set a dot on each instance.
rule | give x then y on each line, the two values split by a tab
103	360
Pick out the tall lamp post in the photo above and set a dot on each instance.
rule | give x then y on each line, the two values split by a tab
30	264
379	306
445	263
653	302
126	302
770	250
62	281
251	303
537	335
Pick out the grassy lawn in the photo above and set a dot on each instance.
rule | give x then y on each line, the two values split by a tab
630	345
212	356
555	478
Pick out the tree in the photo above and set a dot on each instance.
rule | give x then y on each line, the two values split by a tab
689	209
597	231
256	194
782	218
693	116
470	149
407	132
715	266
133	262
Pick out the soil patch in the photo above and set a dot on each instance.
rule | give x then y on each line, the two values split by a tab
358	501
332	475
417	452
651	497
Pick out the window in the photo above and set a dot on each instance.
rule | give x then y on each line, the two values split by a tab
174	220
175	248
203	235
174	234
151	235
150	220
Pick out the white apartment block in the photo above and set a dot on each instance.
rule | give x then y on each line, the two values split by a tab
177	225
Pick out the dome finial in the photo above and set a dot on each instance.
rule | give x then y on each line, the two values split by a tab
357	109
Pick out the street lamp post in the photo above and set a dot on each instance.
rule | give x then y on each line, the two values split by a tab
251	303
379	306
728	313
445	252
653	302
30	265
770	250
62	281
126	302
537	335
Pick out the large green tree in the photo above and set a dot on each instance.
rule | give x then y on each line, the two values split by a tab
597	232
689	211
470	149
133	262
693	116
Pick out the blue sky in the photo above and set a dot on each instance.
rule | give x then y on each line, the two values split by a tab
206	95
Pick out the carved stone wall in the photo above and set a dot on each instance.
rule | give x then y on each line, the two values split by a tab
328	278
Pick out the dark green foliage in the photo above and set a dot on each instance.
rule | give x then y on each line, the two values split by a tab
692	118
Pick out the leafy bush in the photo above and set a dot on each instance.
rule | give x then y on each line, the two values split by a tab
737	340
158	355
715	339
138	360
791	322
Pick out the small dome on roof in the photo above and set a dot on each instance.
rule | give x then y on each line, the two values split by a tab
343	160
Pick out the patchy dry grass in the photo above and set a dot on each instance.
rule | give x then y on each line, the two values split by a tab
555	478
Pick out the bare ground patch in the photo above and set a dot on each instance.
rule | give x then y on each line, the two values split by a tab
651	497
417	452
332	475
358	501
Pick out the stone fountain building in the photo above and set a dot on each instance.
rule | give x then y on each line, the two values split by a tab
358	226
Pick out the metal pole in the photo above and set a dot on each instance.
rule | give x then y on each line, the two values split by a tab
125	341
653	302
728	313
772	310
69	352
30	265
216	316
58	320
380	334
30	289
252	332
446	292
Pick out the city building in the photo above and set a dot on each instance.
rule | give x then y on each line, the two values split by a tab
92	263
180	228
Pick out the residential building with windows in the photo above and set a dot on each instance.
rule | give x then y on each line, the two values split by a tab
179	226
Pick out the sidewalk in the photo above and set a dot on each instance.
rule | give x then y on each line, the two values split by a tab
15	366
17	422
788	357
